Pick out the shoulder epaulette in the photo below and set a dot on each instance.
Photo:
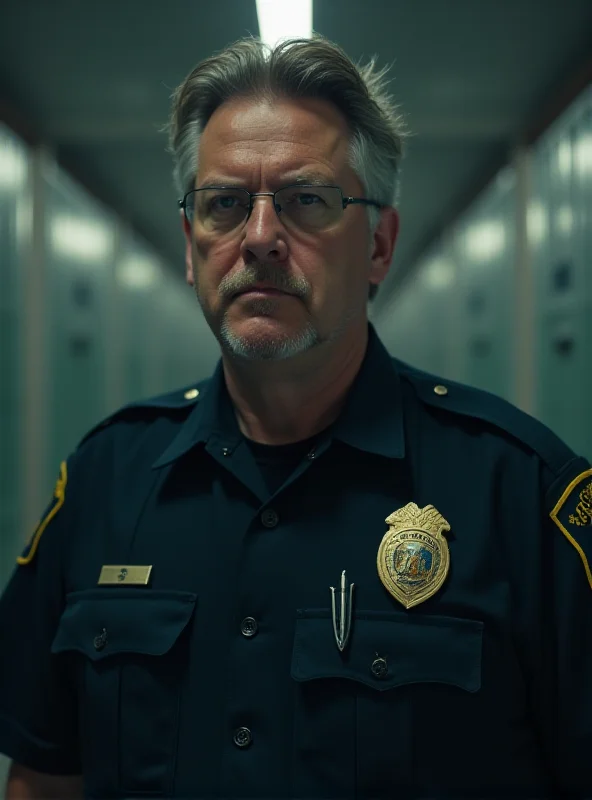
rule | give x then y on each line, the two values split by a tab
179	399
468	401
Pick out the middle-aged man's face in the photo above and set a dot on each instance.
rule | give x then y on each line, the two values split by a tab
263	146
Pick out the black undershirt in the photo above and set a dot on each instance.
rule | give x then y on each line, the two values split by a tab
278	461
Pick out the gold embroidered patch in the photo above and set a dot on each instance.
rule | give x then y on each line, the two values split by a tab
57	502
573	512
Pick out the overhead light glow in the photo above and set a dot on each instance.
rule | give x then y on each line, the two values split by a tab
138	272
564	155
284	19
536	222
13	167
565	220
583	154
81	239
485	240
438	274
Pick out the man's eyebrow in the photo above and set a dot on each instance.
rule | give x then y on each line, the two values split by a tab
214	182
311	178
289	179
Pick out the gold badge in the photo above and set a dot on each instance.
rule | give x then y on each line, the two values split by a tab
413	558
124	576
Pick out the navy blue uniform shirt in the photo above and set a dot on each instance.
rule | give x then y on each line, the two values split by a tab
216	673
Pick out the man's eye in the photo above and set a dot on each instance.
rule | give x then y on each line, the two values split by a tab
309	199
223	202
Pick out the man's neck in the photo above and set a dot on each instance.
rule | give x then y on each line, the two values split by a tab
288	401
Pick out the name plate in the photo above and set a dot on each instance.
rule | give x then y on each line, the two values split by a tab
124	575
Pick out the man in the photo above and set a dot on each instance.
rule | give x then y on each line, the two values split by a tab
321	573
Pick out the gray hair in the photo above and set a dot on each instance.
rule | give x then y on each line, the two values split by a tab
314	68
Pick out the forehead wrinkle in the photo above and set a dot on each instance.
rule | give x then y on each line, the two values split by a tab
260	146
250	146
282	119
276	172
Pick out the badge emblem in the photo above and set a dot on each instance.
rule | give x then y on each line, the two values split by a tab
413	557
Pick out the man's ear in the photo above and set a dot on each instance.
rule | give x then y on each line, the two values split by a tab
384	241
188	244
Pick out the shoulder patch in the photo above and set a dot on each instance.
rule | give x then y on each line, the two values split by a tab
573	516
58	500
479	404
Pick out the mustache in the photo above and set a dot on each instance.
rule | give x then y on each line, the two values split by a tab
263	273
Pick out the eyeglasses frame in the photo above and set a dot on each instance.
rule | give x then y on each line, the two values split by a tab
346	200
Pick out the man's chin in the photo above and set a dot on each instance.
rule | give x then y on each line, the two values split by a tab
266	345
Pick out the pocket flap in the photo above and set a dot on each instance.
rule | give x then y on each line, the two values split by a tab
100	622
426	649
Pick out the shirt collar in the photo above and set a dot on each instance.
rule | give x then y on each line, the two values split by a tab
213	415
371	419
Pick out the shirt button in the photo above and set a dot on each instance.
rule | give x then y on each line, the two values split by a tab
242	737
249	627
100	641
269	518
379	668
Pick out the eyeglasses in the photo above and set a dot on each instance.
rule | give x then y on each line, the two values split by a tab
311	208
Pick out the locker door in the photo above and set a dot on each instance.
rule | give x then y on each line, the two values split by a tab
14	214
140	285
79	251
562	264
484	247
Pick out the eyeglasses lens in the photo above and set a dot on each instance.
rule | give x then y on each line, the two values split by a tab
308	208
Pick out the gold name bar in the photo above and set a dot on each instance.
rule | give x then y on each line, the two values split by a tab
124	575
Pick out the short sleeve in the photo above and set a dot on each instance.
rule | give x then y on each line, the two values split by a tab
562	688
38	715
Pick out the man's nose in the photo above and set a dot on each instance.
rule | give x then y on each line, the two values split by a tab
264	235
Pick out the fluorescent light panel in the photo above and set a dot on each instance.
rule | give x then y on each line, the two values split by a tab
536	222
485	240
284	19
13	167
438	274
138	272
81	239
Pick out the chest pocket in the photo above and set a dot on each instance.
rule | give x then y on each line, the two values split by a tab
128	650
370	719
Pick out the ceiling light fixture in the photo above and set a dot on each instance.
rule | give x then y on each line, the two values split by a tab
13	166
84	240
137	271
284	19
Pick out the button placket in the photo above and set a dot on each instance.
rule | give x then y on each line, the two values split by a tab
249	627
101	640
269	518
379	668
242	737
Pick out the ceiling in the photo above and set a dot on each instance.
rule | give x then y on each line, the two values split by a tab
474	79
